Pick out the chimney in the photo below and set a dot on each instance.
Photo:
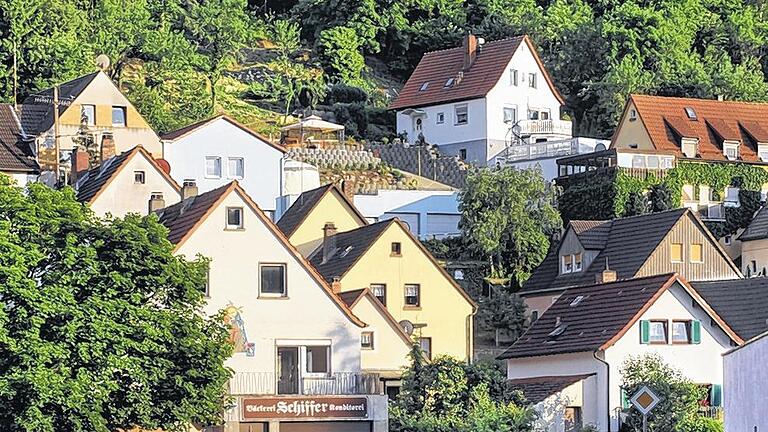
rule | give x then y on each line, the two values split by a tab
720	97
107	147
606	275
348	188
469	46
189	189
80	164
156	202
336	285
329	240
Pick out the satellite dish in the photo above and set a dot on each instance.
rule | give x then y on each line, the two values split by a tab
407	327
102	62
599	147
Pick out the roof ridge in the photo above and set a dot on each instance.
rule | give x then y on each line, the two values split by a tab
508	38
648	96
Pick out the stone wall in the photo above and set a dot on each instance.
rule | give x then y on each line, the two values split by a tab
423	160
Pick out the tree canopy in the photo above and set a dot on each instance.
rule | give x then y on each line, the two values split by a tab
101	326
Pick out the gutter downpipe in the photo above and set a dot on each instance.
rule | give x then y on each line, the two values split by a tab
607	387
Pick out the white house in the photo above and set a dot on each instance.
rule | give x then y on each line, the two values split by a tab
297	344
476	100
576	349
216	151
746	379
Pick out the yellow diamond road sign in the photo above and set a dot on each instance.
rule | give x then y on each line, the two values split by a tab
645	400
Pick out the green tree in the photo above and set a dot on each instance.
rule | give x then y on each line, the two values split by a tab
286	35
502	311
340	47
287	80
637	204
102	327
662	198
508	216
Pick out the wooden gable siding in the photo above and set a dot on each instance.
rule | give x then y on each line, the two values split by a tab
571	245
687	232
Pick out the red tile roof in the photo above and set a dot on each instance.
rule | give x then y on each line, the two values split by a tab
666	121
437	67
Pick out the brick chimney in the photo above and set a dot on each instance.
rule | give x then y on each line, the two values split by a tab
606	275
336	285
189	189
80	164
107	147
329	240
469	46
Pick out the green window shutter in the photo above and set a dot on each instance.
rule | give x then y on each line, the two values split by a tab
645	332
696	332
716	395
625	404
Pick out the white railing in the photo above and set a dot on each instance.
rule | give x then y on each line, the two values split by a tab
339	383
558	127
549	149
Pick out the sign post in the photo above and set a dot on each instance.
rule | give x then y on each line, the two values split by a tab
645	400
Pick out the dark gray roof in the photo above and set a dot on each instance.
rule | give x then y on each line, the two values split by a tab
37	109
350	246
350	297
536	389
605	309
741	303
92	181
758	228
643	232
298	211
15	153
181	217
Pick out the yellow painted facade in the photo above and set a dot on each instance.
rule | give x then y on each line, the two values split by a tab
390	347
631	131
331	208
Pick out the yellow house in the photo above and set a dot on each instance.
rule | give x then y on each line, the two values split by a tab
387	259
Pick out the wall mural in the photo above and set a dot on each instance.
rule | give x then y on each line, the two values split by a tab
237	335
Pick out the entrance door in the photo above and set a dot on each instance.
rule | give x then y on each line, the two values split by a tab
288	370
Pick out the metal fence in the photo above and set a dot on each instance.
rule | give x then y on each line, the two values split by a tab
339	383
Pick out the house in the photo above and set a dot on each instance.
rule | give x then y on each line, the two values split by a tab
754	245
386	258
746	379
131	182
742	303
571	358
655	243
17	159
216	151
90	108
476	100
296	343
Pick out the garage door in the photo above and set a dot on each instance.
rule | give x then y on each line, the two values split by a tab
442	224
410	219
323	426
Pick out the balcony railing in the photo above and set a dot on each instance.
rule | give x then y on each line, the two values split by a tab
556	127
339	383
550	149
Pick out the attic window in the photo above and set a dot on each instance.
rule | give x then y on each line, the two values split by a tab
346	251
578	300
449	82
632	115
559	330
690	113
424	86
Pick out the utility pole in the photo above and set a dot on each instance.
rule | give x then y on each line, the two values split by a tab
15	77
56	131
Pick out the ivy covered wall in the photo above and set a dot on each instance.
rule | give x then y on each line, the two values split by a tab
611	193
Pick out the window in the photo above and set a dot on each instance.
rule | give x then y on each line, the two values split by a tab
88	114
658	332
462	114
139	177
567	264
213	166
731	150
380	292
638	161
577	262
236	168
653	162
234	218
449	82
676	252
728	240
424	86
463	154
118	116
366	340
532	80
696	254
690	113
689	147
533	115
510	114
425	343
318	359
272	279
412	295
207	284
681	331
762	151
440	118
544	115
396	249
632	115
513	77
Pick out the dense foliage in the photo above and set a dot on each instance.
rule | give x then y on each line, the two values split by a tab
101	326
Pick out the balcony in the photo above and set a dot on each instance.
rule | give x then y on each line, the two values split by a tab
339	383
545	127
543	150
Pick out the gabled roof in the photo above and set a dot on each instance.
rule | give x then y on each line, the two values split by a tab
15	154
603	315
644	233
537	389
183	218
186	130
96	180
351	299
437	67
666	121
37	109
742	303
758	228
306	202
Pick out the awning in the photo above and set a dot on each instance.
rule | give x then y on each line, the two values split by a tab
314	123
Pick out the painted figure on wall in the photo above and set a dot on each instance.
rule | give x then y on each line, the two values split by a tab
237	335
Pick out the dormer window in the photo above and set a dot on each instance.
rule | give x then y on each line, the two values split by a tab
690	147
424	86
762	151
571	263
690	113
731	150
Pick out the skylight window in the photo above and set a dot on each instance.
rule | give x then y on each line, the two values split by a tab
449	82
578	300
346	251
424	86
690	113
559	330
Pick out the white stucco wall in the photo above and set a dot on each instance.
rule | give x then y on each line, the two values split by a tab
744	389
387	204
307	314
21	179
262	162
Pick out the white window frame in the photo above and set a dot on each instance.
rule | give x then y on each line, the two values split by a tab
689	147
234	226
283	294
305	361
514	78
91	120
232	175
688	330
504	110
731	147
440	118
205	167
125	115
578	264
418	295
383	286
665	326
532	80
456	109
566	264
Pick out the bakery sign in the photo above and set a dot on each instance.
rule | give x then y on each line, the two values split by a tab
305	408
